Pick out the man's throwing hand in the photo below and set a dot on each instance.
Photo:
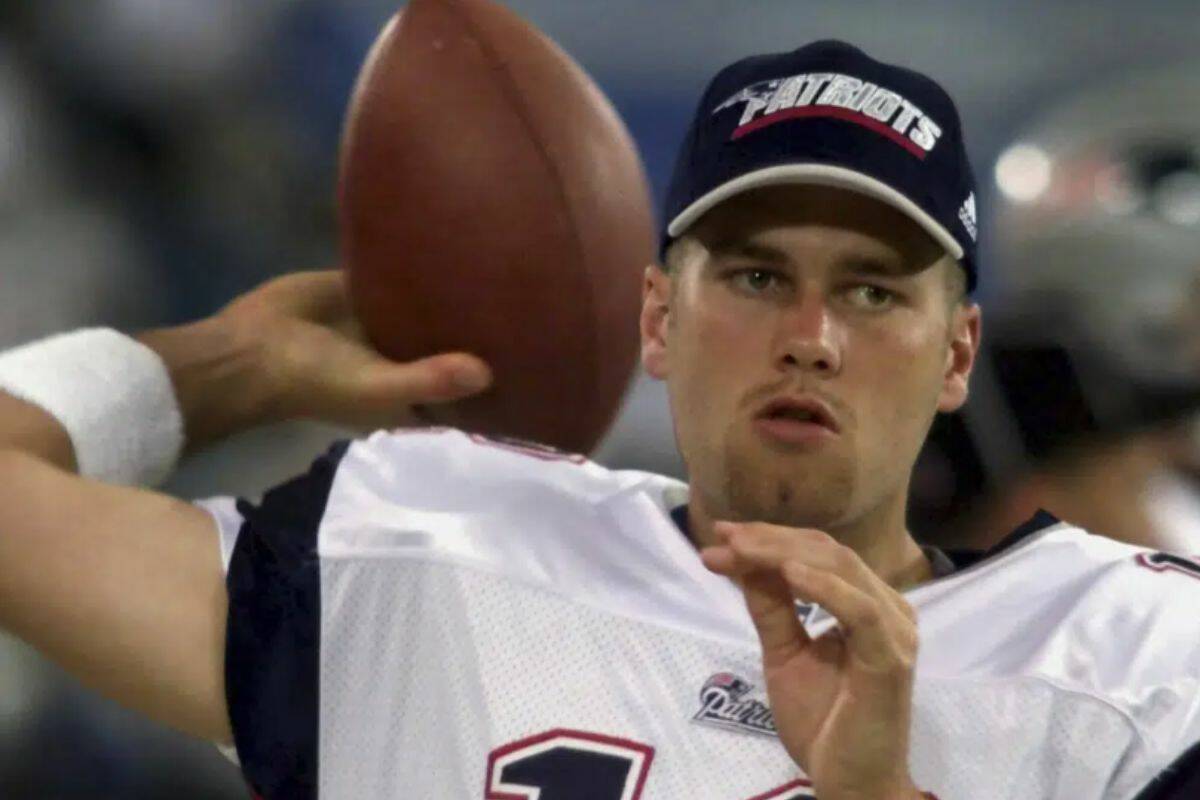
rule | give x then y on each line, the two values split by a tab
318	363
843	701
291	349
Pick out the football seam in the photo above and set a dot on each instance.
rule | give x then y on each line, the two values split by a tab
508	86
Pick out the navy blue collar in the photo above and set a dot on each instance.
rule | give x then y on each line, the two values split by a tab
1035	524
961	559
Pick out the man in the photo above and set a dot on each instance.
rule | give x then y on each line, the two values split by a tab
424	610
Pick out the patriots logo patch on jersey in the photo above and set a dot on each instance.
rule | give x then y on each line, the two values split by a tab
723	702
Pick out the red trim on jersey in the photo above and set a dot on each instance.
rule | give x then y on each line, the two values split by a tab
646	751
543	452
837	113
783	791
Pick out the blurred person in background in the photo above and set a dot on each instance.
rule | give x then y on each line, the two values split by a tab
1087	394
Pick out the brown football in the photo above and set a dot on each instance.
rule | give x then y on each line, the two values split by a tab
492	201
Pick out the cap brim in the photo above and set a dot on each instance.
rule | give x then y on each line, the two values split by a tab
821	175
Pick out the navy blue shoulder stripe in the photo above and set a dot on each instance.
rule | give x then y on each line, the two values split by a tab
1180	781
272	644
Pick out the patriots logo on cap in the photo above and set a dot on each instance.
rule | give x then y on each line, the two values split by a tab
838	96
856	124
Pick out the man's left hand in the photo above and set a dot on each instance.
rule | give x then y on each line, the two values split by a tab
842	702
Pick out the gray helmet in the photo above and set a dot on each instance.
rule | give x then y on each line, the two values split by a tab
1098	208
1092	323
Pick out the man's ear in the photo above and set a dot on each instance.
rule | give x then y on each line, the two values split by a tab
656	293
966	327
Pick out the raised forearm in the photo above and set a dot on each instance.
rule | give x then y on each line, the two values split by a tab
219	377
214	377
289	349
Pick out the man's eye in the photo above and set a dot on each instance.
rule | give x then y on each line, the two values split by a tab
756	281
868	296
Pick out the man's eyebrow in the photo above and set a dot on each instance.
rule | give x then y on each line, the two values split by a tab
865	265
855	264
751	250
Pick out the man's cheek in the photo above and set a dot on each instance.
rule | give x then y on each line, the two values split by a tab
729	348
904	403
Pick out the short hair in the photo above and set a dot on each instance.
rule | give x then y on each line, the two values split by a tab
677	253
956	282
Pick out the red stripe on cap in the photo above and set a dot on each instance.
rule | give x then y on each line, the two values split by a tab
837	113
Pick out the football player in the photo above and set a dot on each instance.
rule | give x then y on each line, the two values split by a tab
429	613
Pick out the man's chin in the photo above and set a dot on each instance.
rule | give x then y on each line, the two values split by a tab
800	517
807	490
814	505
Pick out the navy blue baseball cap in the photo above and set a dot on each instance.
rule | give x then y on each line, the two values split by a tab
829	114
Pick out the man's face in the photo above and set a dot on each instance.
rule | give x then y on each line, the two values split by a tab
808	337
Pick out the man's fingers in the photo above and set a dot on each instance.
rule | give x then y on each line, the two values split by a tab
762	546
771	594
721	559
319	296
437	379
863	618
769	600
773	610
877	620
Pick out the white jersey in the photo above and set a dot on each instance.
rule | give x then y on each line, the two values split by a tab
430	614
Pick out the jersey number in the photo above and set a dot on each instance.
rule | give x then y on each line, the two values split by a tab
796	790
1161	562
575	765
568	765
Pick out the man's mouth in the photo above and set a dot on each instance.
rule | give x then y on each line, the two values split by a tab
800	409
796	420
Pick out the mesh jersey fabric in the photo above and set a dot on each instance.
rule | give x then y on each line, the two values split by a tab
432	614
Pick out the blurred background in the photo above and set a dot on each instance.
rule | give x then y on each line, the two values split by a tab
158	157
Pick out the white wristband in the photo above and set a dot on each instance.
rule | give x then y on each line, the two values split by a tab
112	394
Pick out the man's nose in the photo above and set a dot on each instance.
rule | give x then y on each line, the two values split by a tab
808	337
